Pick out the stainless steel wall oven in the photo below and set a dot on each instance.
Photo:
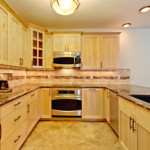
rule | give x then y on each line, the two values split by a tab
66	102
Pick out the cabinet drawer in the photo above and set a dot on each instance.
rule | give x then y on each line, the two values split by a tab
12	106
12	122
33	96
16	139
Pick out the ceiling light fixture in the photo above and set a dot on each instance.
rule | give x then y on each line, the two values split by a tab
145	9
65	7
126	25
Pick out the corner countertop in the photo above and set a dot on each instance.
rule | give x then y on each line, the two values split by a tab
123	90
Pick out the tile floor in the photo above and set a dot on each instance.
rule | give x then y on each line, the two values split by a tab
72	135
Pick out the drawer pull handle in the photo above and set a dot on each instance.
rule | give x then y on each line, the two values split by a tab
133	125
17	104
17	118
32	94
17	139
130	123
28	108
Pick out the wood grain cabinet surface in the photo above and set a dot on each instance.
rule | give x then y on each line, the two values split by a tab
45	103
69	42
18	118
134	126
92	103
3	35
100	51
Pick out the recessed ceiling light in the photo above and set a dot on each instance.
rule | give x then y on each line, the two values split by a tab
126	25
145	9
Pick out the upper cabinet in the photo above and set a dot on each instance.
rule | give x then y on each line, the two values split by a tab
37	48
110	50
70	42
3	35
90	52
100	51
48	51
15	36
25	53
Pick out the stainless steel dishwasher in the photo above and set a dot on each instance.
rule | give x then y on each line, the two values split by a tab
114	115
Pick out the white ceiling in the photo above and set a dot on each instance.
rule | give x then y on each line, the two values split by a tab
91	14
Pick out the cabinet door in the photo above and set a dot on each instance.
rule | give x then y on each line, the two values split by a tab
92	103
31	116
59	42
49	52
110	51
45	103
91	52
25	48
38	48
143	128
126	135
74	42
3	36
15	41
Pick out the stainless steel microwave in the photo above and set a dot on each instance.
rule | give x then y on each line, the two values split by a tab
67	59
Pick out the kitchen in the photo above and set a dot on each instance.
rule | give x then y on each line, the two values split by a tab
104	60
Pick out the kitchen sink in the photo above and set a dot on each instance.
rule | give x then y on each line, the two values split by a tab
145	98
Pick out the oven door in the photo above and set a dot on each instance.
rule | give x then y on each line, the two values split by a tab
66	106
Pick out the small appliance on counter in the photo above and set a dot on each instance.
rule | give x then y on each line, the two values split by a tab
4	87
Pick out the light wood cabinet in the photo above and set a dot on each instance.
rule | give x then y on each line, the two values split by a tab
100	51
15	41
134	126
3	35
25	53
49	51
37	48
32	111
70	42
13	124
91	52
107	105
45	103
92	103
110	51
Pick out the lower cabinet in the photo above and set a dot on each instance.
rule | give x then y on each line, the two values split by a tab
92	103
18	118
45	103
32	110
134	126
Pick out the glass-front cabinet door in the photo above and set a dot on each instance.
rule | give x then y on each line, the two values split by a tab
37	49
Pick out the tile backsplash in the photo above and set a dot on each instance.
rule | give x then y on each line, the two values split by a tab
67	76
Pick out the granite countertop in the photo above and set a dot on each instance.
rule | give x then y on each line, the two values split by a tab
122	90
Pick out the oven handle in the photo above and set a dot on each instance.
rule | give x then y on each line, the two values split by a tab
71	98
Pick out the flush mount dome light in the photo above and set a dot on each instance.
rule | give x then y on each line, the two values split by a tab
145	9
65	7
126	25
